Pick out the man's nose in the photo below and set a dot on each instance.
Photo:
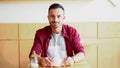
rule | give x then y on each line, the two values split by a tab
56	19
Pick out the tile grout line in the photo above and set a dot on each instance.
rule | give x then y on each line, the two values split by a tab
97	44
18	46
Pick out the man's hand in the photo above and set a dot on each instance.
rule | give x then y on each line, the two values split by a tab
68	61
45	61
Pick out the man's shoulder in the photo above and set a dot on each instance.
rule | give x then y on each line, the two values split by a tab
69	30
68	27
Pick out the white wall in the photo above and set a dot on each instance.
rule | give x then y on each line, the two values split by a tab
76	11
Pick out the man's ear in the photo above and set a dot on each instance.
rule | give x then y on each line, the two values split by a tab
64	17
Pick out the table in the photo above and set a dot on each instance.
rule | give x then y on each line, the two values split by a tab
81	64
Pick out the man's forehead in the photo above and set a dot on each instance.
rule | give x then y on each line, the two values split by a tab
57	10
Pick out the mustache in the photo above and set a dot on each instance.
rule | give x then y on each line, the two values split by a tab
55	22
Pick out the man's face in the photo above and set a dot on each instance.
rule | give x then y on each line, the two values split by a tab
56	17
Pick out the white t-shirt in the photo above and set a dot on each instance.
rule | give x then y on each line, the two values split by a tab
57	48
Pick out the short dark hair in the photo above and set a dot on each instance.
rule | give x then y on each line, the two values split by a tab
55	6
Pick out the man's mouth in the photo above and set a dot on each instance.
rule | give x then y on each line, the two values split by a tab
55	22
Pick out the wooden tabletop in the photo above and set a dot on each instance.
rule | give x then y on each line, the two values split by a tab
81	64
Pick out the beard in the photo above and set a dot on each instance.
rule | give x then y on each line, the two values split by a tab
55	24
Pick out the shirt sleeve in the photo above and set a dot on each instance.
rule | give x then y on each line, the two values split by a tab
36	45
77	45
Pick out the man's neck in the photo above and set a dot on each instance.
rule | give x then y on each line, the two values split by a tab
57	30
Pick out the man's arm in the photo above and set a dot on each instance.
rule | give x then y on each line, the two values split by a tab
78	57
68	61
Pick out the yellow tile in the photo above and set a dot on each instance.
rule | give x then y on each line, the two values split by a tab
25	47
9	54
27	31
91	55
109	53
91	50
8	31
86	30
90	41
111	29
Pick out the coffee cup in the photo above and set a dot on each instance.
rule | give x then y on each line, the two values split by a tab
57	62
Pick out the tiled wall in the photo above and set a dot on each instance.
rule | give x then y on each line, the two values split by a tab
9	50
109	48
100	39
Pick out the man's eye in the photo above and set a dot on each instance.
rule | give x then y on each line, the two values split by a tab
59	16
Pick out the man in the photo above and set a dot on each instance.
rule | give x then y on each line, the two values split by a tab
57	40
